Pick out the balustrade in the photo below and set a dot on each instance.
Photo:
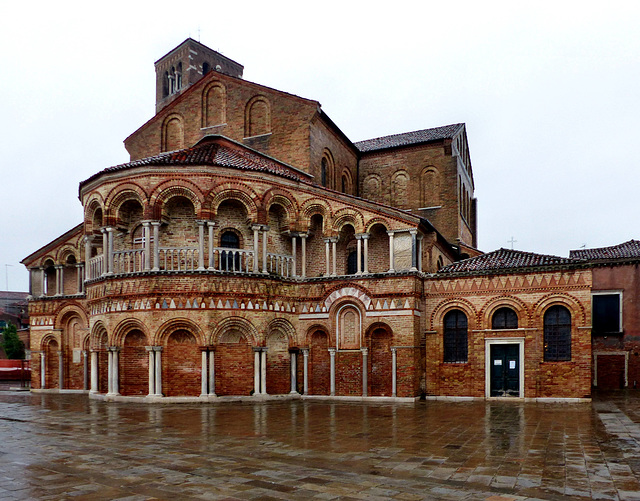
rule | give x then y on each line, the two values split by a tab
233	260
280	264
128	261
178	258
96	267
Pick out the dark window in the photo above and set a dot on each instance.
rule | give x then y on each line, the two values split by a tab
455	336
323	172
229	261
352	261
606	314
205	68
557	334
504	318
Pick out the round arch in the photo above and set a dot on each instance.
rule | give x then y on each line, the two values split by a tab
277	196
348	215
437	317
235	323
577	310
124	327
175	324
67	311
516	304
283	325
233	191
175	188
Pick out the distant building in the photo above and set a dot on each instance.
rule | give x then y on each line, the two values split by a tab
250	248
616	314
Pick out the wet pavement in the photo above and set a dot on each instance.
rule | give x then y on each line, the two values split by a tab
70	447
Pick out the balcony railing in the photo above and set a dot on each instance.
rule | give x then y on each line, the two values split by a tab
187	259
178	258
233	260
128	261
96	267
280	264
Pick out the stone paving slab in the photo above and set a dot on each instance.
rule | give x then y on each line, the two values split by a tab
70	447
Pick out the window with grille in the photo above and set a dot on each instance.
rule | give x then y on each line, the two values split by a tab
606	313
504	318
455	337
557	334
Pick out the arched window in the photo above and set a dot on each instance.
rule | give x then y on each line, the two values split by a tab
557	334
179	77
504	318
205	68
440	263
455	337
323	172
229	261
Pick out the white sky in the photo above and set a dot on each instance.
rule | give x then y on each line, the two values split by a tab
550	96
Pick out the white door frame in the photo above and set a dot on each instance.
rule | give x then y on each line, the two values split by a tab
487	363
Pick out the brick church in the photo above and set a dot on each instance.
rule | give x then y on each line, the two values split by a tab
249	249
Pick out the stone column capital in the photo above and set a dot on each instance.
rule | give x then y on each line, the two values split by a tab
157	348
362	236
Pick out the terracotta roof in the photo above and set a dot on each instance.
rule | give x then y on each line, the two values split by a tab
214	150
408	138
626	250
506	259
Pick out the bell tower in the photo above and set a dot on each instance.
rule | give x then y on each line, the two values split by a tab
185	65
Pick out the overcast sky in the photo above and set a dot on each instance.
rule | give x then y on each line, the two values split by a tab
550	96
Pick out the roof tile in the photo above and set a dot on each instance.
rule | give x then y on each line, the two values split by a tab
630	249
504	259
409	138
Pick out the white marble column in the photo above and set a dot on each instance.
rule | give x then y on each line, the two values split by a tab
265	230
256	371
365	239
358	254
414	249
334	242
94	371
304	255
365	371
110	248
420	252
256	247
394	371
156	244
109	371
59	279
391	256
327	253
293	364
204	378
201	244
87	258
158	356
146	235
60	371
305	371
263	371
152	371
105	251
43	370
212	373
85	370
80	277
332	357
116	371
294	245
210	226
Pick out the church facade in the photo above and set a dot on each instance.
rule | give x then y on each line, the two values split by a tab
250	249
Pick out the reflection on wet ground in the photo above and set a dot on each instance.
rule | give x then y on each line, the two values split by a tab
67	446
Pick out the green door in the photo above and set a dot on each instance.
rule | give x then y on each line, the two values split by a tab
505	370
